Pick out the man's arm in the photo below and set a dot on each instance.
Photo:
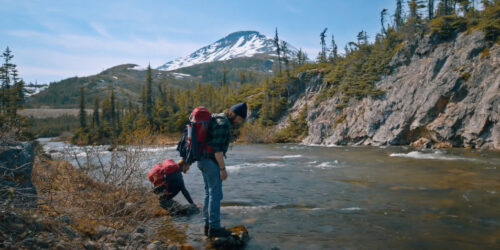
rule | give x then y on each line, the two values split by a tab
219	157
186	194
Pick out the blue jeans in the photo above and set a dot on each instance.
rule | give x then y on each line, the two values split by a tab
213	192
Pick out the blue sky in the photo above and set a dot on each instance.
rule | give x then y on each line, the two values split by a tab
52	40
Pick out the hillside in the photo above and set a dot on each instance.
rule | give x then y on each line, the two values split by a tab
440	94
243	57
126	80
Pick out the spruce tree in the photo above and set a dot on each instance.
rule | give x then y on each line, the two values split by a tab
333	51
398	14
82	114
223	81
383	15
285	51
148	96
5	77
278	49
95	115
113	113
362	38
322	53
299	57
430	9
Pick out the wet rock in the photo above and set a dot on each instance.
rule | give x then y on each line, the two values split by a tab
174	208
16	165
442	145
421	143
237	240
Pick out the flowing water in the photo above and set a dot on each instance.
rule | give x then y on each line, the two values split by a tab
293	196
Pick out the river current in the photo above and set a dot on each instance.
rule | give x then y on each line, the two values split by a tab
294	196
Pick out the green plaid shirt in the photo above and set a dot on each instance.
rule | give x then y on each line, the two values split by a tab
219	135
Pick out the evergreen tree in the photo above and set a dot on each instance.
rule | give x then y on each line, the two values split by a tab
301	57
113	114
5	77
430	9
82	114
398	15
333	52
362	38
223	81
16	99
414	23
278	49
322	53
446	7
465	6
148	96
285	51
243	77
95	114
383	15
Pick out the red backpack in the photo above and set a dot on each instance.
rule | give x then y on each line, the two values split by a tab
194	143
161	170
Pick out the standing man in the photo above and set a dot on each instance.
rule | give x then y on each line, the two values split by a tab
213	167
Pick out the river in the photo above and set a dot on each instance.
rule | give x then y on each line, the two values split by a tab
294	196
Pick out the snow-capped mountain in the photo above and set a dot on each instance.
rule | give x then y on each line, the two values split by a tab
234	45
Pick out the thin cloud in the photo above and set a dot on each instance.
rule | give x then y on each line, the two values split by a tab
82	55
99	29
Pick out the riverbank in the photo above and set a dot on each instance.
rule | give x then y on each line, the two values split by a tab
74	211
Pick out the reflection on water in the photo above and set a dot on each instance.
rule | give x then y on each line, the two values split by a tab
301	197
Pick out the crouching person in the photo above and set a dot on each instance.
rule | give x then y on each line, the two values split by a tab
168	182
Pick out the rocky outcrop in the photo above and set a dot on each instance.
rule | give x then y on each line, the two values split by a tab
438	94
16	166
237	240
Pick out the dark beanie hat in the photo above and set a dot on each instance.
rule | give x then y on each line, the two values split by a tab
240	109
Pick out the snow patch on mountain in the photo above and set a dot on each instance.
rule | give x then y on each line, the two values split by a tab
235	45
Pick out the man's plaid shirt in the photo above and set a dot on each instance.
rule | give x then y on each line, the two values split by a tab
219	134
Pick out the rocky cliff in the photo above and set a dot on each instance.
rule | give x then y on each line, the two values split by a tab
439	94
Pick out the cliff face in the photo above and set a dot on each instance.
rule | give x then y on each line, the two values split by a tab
439	95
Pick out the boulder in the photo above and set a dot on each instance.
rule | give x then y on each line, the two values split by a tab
16	165
237	240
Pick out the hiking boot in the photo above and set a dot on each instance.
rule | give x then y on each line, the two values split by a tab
218	233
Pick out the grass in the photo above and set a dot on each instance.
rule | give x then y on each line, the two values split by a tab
66	191
51	113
